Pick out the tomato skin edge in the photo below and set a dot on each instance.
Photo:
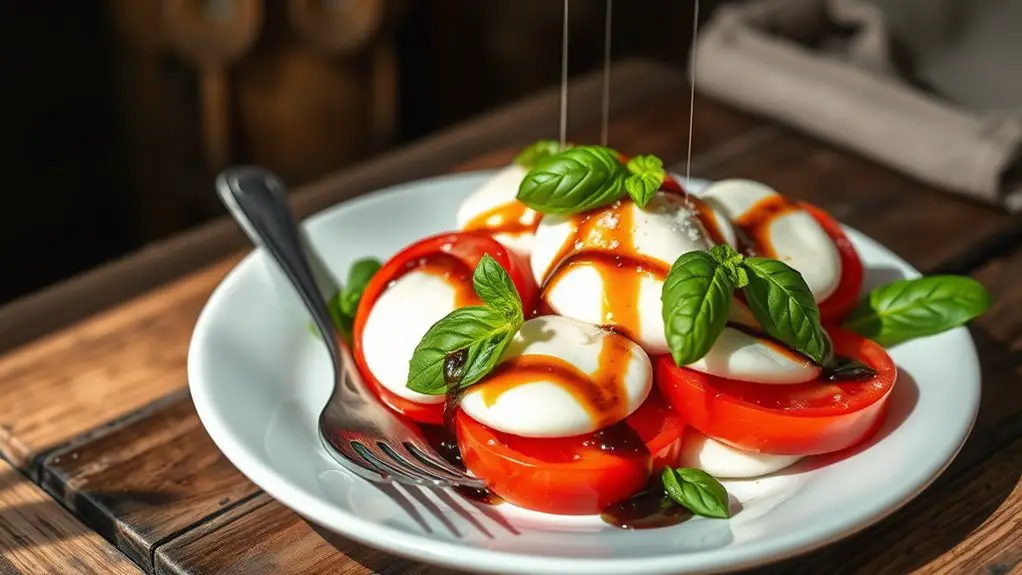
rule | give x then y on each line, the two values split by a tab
467	246
585	486
840	304
751	427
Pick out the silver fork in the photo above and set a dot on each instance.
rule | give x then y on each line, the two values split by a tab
356	428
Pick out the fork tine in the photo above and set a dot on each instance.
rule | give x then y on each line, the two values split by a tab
351	460
398	473
403	456
424	455
410	465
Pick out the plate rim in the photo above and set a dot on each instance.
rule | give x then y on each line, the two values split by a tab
420	547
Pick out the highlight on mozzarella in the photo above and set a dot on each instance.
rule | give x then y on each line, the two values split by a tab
725	462
780	229
713	217
494	207
561	377
396	323
607	266
738	354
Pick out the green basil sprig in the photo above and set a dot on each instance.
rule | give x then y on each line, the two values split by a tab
540	149
573	181
466	344
696	299
584	178
343	305
697	491
493	285
647	176
912	308
781	302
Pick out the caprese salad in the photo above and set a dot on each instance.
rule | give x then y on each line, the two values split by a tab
597	340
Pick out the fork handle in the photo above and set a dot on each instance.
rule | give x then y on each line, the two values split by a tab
257	200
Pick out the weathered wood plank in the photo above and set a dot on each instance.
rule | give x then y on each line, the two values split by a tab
146	481
38	536
101	369
262	537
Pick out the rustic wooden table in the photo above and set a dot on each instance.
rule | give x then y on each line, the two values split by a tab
107	470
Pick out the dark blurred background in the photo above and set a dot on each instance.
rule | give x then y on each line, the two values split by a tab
116	114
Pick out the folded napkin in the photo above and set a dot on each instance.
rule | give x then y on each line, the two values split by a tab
932	88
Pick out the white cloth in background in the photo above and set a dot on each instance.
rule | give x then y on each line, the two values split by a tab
932	88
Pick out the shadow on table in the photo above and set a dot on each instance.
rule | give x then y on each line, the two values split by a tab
375	561
958	502
26	522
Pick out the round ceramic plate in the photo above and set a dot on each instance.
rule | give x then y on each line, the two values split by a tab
259	378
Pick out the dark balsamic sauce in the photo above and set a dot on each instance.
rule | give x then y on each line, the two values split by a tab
445	444
443	440
648	509
484	496
619	438
454	366
753	227
845	369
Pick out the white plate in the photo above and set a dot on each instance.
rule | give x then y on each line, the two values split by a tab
258	380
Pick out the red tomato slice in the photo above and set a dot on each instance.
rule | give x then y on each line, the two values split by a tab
468	247
800	419
574	475
839	304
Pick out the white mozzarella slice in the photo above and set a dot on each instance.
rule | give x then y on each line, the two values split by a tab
742	356
396	324
722	223
741	314
725	462
496	193
542	407
663	231
734	197
795	236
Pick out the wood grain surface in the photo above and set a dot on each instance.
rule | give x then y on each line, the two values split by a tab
39	537
262	537
148	480
103	368
124	450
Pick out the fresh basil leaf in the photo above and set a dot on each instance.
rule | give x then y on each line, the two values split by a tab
480	333
528	157
911	308
696	301
359	275
646	163
573	181
726	256
781	302
697	491
343	304
647	176
642	187
493	285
